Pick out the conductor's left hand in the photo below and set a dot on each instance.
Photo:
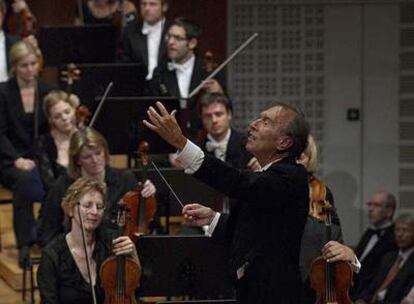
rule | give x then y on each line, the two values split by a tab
165	125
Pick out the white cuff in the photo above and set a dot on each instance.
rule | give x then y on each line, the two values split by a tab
213	225
356	265
190	158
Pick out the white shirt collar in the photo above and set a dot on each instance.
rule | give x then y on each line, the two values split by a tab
405	254
224	140
148	28
264	168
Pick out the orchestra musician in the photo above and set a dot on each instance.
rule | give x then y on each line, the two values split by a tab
52	148
273	202
144	40
88	157
183	73
21	121
62	275
104	11
221	140
314	241
6	41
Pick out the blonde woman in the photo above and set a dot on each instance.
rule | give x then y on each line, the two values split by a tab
52	148
62	275
88	157
21	121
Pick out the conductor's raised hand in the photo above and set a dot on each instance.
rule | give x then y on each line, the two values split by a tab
198	215
165	125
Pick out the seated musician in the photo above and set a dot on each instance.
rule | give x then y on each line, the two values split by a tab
103	11
314	236
183	73
21	121
18	18
88	157
52	148
6	41
62	275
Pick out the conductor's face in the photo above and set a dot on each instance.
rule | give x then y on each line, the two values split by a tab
267	139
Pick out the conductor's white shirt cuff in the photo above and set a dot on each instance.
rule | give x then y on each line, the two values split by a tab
213	224
190	158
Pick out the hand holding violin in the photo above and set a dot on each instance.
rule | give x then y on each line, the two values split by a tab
334	251
124	246
198	215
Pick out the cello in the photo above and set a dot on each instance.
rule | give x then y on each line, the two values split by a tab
142	210
331	281
120	275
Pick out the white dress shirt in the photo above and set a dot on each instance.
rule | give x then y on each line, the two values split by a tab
153	33
184	72
373	240
4	74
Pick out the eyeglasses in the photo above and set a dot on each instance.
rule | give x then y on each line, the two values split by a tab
175	37
89	205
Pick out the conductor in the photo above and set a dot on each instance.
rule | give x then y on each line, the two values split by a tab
265	227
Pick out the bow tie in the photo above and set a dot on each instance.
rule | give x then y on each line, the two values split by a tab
146	29
378	232
212	146
172	66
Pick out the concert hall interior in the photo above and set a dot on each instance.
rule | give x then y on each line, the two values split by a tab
207	151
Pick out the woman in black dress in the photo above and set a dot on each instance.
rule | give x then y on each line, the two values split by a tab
62	275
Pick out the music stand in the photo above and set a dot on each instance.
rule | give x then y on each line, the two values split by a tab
78	44
183	265
120	121
128	79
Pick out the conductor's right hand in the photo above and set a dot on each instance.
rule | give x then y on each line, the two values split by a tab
165	125
198	215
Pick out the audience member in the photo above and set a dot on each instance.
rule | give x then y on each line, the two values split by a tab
394	273
377	240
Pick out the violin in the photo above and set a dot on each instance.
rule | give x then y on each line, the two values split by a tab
21	23
70	75
120	275
331	281
142	210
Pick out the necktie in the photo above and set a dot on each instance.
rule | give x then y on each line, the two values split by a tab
392	273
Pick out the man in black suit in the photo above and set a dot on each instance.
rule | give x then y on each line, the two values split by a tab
144	41
264	229
377	240
394	274
221	140
183	73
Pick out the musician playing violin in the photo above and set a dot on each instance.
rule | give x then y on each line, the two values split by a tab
88	157
52	148
62	275
314	241
183	73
